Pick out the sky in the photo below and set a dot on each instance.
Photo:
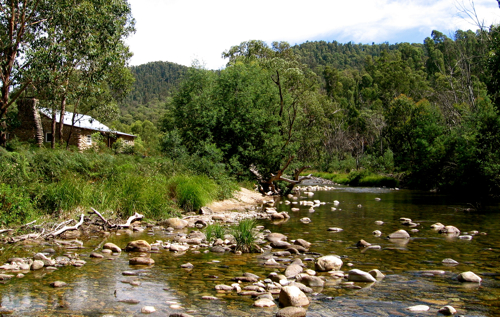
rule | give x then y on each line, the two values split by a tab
182	31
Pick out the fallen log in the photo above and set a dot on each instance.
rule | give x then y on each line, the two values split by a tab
106	222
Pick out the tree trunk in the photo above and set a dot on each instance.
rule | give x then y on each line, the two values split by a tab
61	120
268	186
53	129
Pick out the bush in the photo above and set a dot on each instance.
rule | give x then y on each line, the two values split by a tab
15	205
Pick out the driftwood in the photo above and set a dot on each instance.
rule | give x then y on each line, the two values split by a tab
65	228
136	216
267	185
106	222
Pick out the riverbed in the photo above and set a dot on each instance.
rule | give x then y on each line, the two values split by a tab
99	287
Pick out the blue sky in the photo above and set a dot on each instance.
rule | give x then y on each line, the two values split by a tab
182	31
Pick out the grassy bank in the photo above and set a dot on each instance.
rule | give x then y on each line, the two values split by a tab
357	178
37	183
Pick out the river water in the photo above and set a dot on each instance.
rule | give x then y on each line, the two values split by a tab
98	288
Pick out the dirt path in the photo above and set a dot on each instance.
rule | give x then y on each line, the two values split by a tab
241	202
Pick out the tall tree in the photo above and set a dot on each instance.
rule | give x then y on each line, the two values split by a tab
20	23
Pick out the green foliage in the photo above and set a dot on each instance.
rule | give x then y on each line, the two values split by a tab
245	236
15	205
215	231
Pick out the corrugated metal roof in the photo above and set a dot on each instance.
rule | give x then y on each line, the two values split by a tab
81	121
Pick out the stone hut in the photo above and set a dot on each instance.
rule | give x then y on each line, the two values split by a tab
36	124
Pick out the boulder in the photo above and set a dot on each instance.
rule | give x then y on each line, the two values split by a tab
37	265
292	270
418	308
447	310
450	230
363	244
138	246
303	243
357	275
276	237
58	284
175	223
469	277
400	234
178	247
311	281
280	244
141	261
148	309
376	274
328	263
291	311
292	296
264	302
111	246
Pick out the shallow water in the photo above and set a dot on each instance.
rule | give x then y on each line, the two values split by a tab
97	288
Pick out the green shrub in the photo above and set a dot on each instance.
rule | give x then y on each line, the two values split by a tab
15	205
244	235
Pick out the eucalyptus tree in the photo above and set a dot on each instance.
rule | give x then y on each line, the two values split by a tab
82	55
20	23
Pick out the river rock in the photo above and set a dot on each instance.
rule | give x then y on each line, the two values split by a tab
58	284
469	277
113	247
379	222
377	233
418	308
174	247
305	220
222	287
335	229
291	311
292	270
292	296
447	310
303	243
357	275
96	255
450	230
363	244
141	261
400	234
311	281
280	244
138	246
376	274
328	263
187	266
264	302
175	223
274	236
5	277
148	310
449	261
437	226
37	265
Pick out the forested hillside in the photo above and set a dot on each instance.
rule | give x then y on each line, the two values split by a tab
153	84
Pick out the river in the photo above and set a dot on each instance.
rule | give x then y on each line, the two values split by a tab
98	288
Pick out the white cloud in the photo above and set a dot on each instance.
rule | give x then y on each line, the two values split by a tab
181	31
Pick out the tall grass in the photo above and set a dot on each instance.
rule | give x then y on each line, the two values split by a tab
58	180
214	232
192	192
245	236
